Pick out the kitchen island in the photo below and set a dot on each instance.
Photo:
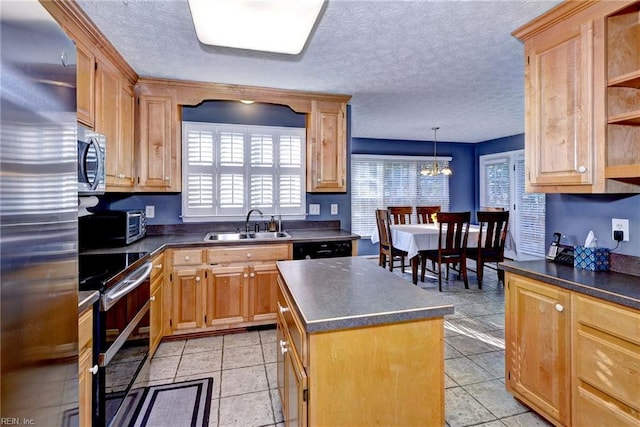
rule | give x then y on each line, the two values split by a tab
358	345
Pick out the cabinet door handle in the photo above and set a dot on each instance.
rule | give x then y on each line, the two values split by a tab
94	369
197	278
166	178
282	309
153	298
582	169
283	347
121	175
245	275
559	308
159	266
252	275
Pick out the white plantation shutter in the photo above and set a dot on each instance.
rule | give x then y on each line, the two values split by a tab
199	146
381	181
231	169
531	215
502	184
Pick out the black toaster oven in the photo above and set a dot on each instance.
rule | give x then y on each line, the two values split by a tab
111	228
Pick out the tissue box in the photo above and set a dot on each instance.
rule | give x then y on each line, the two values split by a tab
594	259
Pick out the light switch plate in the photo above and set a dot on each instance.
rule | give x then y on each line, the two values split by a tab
150	211
314	209
334	209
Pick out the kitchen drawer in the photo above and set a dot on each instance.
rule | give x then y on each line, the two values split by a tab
612	319
595	409
158	266
610	365
289	319
223	255
85	330
187	257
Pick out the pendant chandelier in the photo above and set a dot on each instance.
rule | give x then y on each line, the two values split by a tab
435	170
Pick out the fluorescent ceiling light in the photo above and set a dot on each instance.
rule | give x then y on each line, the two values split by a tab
281	26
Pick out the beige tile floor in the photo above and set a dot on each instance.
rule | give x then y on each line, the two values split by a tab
244	370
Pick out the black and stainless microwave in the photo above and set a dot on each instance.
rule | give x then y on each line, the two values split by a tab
111	228
91	162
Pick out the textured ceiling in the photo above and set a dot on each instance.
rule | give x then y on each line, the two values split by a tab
409	65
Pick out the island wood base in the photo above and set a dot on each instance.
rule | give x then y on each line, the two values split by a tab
391	375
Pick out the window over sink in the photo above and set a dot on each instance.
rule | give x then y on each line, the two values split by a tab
229	169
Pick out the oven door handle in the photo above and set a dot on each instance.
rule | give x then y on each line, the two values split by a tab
126	285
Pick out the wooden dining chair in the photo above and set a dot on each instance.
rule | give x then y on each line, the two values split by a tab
387	250
491	239
425	212
400	214
452	245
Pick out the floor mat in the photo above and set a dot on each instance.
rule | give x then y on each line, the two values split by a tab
179	404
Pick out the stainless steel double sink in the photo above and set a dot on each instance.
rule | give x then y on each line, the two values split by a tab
259	235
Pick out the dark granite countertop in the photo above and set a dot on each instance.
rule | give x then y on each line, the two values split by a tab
352	292
623	289
156	243
86	299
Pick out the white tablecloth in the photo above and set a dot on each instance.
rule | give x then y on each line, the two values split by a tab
413	238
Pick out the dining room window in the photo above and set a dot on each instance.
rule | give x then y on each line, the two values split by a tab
378	181
229	169
502	184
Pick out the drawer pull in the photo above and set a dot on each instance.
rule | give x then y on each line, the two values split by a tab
283	347
159	266
249	255
559	308
187	258
153	298
94	369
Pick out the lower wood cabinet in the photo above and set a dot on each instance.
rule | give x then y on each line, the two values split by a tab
157	304
606	388
572	358
224	287
537	333
86	370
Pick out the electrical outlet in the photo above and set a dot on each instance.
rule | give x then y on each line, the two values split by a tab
150	211
620	225
314	209
334	209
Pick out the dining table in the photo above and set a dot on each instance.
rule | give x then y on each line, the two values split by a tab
413	238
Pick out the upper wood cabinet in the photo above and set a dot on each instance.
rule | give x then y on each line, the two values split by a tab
327	147
114	108
104	92
158	147
85	86
571	145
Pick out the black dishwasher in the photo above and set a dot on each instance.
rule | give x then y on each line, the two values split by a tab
311	250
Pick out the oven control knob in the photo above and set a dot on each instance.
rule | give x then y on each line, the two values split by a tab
94	369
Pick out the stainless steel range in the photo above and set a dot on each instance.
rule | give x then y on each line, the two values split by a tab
122	326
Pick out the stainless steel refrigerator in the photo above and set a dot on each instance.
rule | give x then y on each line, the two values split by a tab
38	219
